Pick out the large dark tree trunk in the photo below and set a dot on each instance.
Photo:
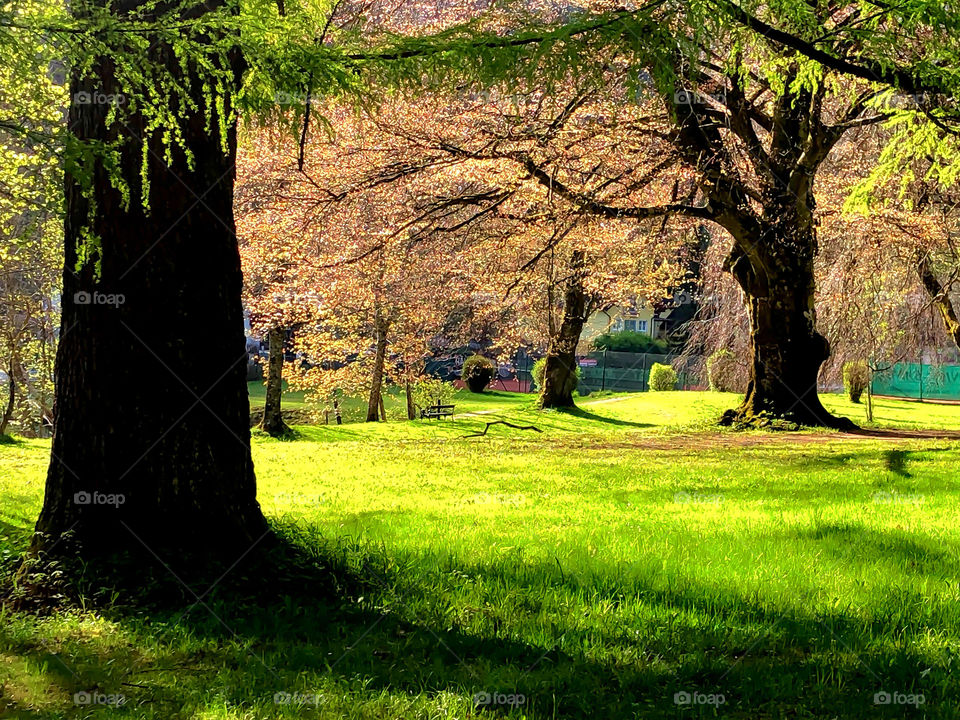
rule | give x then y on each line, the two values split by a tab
560	368
756	172
272	422
775	270
375	403
151	443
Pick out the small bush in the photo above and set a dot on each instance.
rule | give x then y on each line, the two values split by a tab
856	376
477	372
629	341
721	371
433	391
540	367
662	378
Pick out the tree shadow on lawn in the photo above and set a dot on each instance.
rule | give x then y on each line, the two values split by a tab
896	462
593	417
853	541
364	624
894	459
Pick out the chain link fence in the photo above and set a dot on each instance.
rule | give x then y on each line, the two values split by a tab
623	372
630	372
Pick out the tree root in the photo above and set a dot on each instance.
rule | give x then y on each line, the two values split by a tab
744	420
503	422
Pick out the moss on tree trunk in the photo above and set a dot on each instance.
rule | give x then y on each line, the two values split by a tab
776	273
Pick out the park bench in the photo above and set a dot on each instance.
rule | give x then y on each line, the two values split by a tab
436	411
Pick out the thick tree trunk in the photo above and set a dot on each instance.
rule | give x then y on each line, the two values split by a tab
940	297
272	422
151	442
775	271
381	326
560	368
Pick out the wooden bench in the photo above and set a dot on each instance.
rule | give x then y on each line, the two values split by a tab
436	411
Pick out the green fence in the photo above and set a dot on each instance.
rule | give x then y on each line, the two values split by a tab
630	372
919	382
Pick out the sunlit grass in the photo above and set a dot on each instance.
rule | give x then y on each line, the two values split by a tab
353	409
628	552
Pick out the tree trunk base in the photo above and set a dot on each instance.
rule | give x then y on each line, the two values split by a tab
556	403
752	416
277	429
75	574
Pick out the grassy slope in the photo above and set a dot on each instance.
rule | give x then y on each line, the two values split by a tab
354	408
588	568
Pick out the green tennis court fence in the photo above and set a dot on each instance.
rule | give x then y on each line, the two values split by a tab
919	381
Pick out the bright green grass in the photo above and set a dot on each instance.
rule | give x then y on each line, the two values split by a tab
897	413
289	400
354	409
630	552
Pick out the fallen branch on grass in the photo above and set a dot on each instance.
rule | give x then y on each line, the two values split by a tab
503	422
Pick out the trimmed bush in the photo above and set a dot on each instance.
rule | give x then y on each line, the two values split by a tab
662	378
540	367
629	341
721	371
856	376
477	372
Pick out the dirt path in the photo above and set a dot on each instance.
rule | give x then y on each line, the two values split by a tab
708	440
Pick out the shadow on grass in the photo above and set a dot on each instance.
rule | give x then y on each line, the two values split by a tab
593	417
893	460
855	542
896	462
367	627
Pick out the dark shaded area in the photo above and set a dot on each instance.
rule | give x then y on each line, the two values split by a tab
896	462
303	605
857	542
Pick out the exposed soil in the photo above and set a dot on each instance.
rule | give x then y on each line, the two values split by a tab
717	440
